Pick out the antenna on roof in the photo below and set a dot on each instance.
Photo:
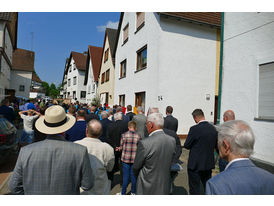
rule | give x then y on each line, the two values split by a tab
32	37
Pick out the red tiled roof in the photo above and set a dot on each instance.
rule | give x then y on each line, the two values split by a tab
211	18
96	58
36	78
23	60
80	60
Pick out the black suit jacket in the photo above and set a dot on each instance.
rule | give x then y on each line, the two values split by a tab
201	141
105	122
91	116
171	123
178	151
130	115
115	131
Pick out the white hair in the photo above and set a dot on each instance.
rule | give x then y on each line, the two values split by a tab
118	116
152	110
104	114
156	118
239	135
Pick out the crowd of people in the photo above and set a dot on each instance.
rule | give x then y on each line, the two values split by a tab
77	149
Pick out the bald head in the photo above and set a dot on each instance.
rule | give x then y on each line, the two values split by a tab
94	128
228	116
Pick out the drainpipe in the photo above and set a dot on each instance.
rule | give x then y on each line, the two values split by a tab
221	69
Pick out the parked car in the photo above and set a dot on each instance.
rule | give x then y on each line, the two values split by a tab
8	139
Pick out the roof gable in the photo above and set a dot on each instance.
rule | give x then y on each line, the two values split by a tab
80	60
36	78
95	56
23	60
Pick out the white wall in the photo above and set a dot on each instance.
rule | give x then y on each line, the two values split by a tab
248	42
181	66
90	84
80	77
21	78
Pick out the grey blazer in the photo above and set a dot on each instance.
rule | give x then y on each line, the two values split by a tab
52	167
152	164
140	120
241	178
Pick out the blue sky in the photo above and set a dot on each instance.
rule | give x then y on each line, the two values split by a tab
56	34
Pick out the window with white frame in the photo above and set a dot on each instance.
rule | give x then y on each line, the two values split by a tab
266	91
69	82
21	88
74	80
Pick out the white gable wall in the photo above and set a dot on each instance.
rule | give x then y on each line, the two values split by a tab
80	77
92	92
248	42
21	78
181	66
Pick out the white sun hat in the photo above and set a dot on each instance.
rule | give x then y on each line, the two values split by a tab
55	121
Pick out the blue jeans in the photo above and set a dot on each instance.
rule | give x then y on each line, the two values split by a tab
27	136
128	172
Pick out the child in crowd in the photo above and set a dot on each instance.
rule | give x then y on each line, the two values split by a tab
28	119
128	146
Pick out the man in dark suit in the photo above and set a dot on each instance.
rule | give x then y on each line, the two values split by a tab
92	114
78	131
114	134
240	177
201	141
124	117
153	159
130	114
170	121
105	122
53	166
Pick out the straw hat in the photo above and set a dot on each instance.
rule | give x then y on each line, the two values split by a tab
55	121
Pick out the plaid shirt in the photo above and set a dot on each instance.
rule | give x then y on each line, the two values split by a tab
128	144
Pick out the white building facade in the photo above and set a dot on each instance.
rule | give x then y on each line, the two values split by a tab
248	76
8	39
160	61
92	72
76	90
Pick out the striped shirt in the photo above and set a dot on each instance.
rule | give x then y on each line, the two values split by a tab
128	144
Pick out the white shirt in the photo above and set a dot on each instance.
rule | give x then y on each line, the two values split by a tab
235	160
155	132
28	121
101	156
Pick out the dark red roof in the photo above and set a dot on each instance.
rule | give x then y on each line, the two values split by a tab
23	60
96	58
80	60
211	18
36	78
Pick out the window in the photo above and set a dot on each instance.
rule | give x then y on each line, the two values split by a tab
266	91
103	78
141	58
74	80
68	95
125	32
123	68
89	89
22	88
74	94
93	88
107	75
140	20
83	95
140	99
106	55
122	100
69	82
70	68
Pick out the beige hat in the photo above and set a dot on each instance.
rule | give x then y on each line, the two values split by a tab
55	121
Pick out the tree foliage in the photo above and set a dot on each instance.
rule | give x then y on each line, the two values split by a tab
51	89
